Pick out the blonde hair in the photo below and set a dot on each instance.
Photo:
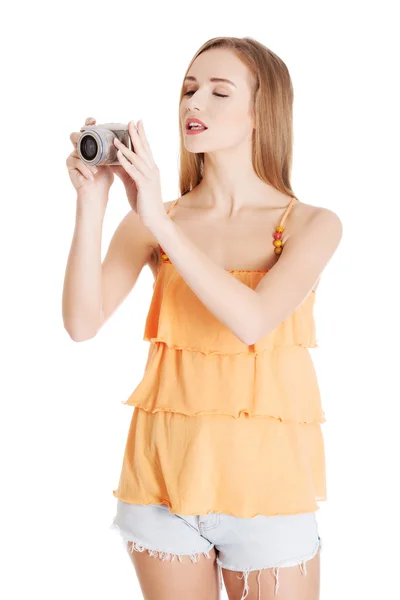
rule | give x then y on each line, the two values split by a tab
272	105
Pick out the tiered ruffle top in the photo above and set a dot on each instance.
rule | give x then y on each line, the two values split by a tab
218	425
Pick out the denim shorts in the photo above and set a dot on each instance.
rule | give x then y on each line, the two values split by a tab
253	544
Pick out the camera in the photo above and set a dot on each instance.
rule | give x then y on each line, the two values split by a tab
96	144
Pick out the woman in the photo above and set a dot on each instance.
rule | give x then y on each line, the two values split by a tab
224	461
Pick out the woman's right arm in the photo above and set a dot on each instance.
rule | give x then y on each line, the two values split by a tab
82	295
94	290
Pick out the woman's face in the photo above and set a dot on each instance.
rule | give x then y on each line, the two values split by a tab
224	108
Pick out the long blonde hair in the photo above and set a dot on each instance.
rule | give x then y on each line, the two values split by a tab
272	105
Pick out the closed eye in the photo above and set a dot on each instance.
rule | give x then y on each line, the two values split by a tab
215	94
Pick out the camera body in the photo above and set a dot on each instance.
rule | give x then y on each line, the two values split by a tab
96	144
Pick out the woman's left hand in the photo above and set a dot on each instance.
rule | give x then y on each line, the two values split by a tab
140	166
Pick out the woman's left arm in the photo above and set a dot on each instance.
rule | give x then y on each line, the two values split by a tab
252	314
304	256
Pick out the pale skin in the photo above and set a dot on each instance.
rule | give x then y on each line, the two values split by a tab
228	219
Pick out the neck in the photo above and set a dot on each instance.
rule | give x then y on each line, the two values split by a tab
230	185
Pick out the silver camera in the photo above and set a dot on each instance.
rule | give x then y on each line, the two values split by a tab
96	144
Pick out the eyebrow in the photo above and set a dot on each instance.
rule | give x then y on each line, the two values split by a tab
189	78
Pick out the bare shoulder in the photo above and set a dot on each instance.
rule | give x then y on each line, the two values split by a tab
329	223
311	224
307	217
322	231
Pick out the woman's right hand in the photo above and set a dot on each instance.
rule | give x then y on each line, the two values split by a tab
84	177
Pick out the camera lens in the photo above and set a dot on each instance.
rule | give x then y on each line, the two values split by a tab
89	147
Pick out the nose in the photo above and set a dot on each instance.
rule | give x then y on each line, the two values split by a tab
192	105
193	101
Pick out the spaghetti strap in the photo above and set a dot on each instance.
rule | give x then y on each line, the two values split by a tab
287	211
285	216
172	206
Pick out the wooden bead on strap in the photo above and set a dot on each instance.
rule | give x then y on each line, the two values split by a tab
280	229
162	254
278	239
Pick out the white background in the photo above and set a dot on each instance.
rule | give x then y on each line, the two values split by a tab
63	427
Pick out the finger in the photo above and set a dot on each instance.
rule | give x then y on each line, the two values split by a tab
133	158
144	141
129	167
120	171
136	141
75	163
90	121
74	137
74	155
138	146
93	169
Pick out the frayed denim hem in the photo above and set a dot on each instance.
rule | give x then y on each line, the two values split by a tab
275	569
138	546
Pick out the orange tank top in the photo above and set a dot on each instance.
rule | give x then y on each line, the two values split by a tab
220	426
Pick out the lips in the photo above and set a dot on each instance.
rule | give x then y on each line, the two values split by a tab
194	120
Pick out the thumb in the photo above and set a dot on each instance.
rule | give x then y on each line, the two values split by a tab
120	171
